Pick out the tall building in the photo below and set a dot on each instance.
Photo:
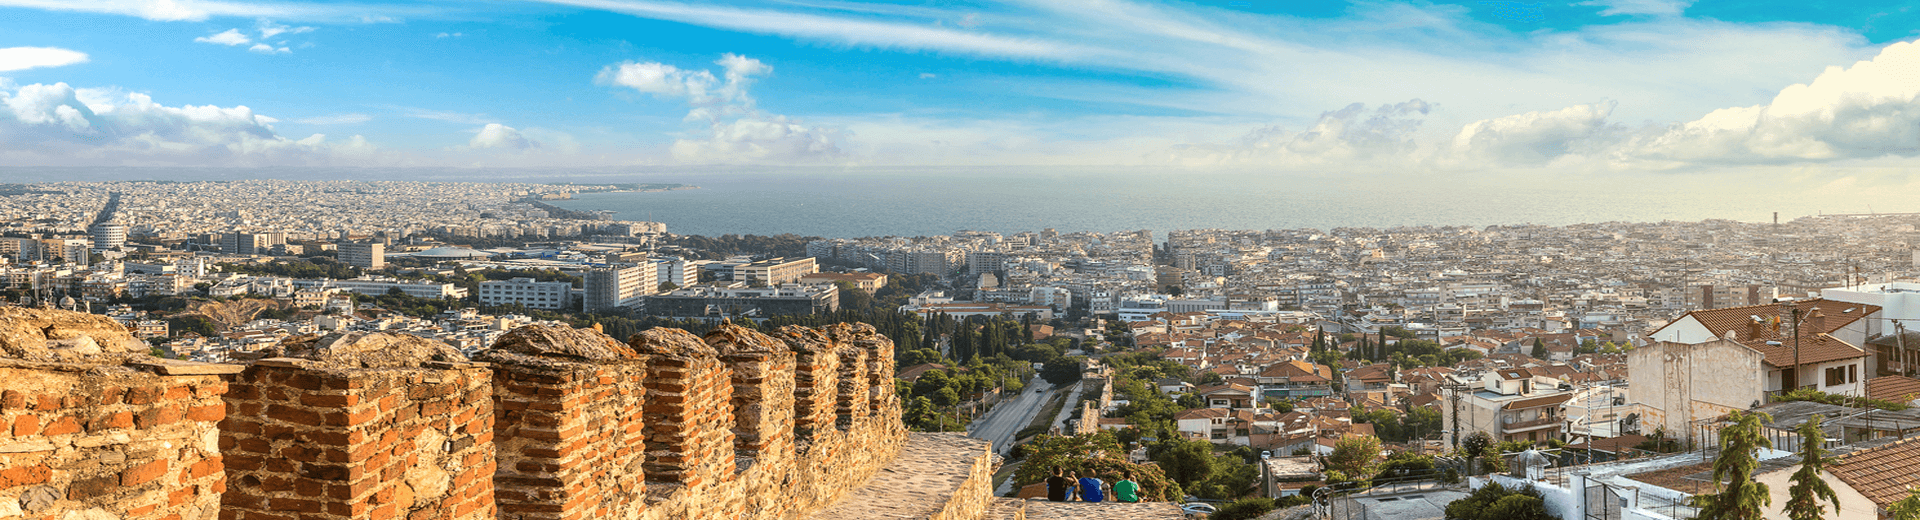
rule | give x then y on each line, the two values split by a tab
245	243
527	292
108	235
775	271
609	289
676	271
70	250
981	262
368	255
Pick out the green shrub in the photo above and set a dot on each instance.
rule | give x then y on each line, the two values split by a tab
1496	502
1244	509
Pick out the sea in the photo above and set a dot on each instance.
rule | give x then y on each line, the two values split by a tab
926	201
920	203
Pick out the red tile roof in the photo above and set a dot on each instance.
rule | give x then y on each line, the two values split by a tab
1813	349
1882	474
1894	388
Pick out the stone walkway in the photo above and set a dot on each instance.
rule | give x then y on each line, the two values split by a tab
1007	509
1044	510
934	478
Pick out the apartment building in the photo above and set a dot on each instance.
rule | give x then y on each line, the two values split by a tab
775	271
364	255
526	292
613	289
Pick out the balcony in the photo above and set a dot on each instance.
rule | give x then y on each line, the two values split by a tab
1536	424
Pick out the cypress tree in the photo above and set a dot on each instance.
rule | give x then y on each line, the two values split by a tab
1742	498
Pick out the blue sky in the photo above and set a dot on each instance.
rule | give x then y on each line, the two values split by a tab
1643	85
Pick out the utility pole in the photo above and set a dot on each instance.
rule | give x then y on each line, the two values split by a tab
1453	391
1788	308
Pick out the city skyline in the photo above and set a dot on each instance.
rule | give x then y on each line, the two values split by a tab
1418	89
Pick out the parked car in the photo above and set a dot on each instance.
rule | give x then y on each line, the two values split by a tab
1196	509
1268	454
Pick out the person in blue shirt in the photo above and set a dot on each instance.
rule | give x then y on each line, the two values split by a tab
1090	489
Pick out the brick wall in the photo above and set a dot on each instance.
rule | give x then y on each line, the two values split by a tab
311	440
567	435
666	425
81	439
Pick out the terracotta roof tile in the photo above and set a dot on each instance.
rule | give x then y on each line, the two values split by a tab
1813	349
1838	314
1893	388
1882	474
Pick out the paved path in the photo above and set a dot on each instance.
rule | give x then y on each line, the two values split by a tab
1009	417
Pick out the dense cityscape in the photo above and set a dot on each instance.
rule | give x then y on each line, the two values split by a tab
1252	370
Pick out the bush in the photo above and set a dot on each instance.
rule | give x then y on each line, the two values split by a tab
1244	509
1496	502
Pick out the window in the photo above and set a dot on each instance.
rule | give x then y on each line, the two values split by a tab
1836	376
1853	373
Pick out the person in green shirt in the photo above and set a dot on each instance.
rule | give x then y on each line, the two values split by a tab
1126	490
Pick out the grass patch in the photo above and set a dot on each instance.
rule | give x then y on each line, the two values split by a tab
1044	420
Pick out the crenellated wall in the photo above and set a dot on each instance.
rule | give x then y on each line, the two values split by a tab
551	423
90	428
737	424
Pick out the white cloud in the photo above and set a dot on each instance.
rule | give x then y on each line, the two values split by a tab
1531	138
928	75
1869	110
23	58
229	37
261	48
201	10
340	119
448	35
59	124
1643	7
268	29
496	135
1349	135
845	31
442	115
736	131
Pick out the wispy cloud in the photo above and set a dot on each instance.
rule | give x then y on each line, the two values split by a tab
229	37
441	115
337	119
203	10
849	31
23	58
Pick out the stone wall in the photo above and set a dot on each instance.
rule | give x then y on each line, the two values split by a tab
91	428
552	423
360	425
737	424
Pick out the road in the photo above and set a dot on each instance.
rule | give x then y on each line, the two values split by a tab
1009	417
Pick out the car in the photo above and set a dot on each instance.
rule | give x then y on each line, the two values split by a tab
1196	508
1266	454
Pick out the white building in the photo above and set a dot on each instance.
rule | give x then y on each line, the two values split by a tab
526	292
609	289
370	255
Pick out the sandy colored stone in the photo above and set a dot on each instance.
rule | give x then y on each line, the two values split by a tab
733	339
673	343
564	343
367	350
50	335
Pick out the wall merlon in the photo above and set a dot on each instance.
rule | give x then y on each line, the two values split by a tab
551	423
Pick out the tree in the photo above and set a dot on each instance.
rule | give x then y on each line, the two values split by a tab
1186	462
1539	349
1175	290
1803	497
1062	370
1742	498
1907	508
1474	446
1355	456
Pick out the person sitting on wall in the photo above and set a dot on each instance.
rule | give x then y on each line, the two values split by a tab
1126	490
1059	488
1091	489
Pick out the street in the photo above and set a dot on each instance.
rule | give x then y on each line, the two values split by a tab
1009	417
